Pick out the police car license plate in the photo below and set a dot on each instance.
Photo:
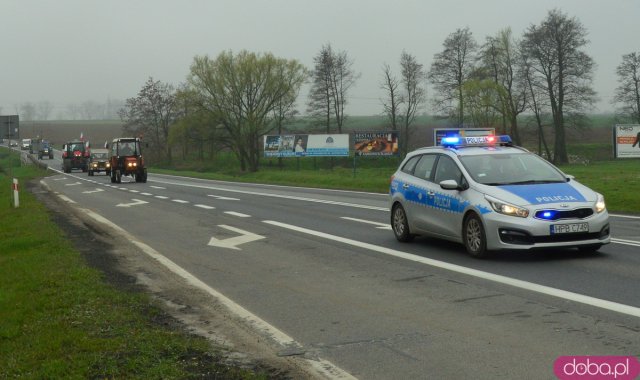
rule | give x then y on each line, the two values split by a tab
569	228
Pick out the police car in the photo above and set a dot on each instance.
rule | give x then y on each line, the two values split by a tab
488	194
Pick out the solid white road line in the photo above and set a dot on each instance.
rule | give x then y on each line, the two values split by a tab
285	197
592	301
626	242
323	367
624	216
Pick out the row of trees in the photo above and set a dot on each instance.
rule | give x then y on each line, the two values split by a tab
89	110
231	100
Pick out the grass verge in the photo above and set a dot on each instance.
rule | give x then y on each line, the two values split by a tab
60	319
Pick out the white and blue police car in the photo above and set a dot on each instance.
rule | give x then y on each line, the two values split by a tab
488	194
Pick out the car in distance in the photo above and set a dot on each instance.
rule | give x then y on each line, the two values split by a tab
126	159
75	155
25	144
99	162
488	194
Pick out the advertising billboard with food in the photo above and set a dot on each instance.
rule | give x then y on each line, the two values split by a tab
296	145
376	143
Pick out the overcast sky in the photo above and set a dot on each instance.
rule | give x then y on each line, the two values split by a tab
72	51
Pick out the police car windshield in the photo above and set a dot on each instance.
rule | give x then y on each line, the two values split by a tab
510	169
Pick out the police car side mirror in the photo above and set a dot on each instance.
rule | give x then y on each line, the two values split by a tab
569	177
450	184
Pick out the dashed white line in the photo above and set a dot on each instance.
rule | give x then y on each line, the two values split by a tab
147	194
159	187
223	198
206	207
161	197
381	226
134	191
179	201
238	214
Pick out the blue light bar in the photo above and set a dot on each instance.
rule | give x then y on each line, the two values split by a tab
451	140
491	140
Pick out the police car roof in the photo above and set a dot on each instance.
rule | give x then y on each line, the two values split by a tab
474	150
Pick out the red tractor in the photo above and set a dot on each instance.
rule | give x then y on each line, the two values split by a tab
126	160
75	155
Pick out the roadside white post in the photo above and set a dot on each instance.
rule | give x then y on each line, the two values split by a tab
16	196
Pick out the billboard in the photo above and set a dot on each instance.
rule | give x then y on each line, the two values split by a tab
439	133
375	143
626	142
10	127
298	145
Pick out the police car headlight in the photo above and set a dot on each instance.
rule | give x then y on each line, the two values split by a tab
600	206
506	208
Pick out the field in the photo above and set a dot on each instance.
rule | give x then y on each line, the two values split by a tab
598	134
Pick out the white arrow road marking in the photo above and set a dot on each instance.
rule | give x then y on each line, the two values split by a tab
74	184
134	203
381	226
223	198
232	242
92	191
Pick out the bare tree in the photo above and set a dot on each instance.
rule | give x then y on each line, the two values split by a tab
500	57
44	109
628	91
536	101
449	70
413	95
554	48
331	79
28	111
151	114
393	99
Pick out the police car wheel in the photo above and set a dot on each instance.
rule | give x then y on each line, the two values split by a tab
400	225
474	238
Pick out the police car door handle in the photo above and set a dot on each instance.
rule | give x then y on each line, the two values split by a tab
405	186
431	193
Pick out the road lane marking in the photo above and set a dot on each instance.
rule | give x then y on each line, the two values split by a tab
381	226
580	298
133	191
74	184
222	198
65	198
159	187
235	241
624	216
325	368
206	207
147	194
238	214
135	202
291	197
179	201
92	191
161	197
626	242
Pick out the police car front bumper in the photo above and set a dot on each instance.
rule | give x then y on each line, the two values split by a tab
509	232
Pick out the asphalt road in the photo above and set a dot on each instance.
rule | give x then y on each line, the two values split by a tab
324	272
